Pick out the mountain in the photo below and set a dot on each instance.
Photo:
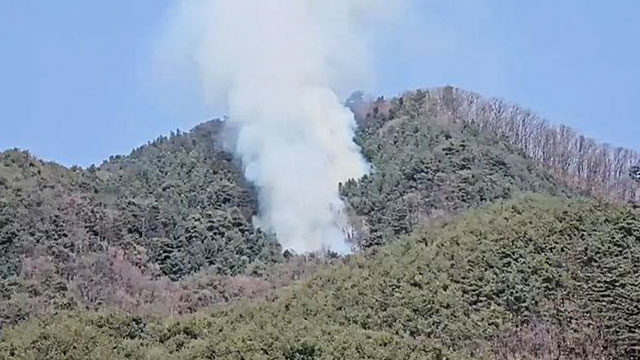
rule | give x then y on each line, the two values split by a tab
428	165
170	208
533	277
481	232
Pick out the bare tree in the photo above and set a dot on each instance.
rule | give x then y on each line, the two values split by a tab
598	169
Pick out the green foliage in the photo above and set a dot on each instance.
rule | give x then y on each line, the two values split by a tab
167	230
173	207
180	204
449	291
426	165
189	205
181	198
302	352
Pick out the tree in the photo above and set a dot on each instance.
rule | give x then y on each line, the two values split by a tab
634	173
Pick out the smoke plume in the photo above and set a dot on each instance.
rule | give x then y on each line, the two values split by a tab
280	68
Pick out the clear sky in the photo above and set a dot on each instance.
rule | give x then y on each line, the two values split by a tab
77	82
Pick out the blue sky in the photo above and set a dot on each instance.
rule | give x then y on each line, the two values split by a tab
77	79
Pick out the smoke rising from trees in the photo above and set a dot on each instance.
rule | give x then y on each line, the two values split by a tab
280	67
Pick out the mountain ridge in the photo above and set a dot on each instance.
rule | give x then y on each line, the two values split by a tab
167	231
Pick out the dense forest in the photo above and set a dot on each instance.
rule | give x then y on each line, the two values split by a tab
482	232
169	209
597	169
535	276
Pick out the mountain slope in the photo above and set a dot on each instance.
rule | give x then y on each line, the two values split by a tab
159	200
171	208
538	276
162	203
425	165
190	204
167	230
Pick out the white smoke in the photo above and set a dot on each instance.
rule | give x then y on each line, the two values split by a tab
279	66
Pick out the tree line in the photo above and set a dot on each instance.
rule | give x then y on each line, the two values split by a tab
596	168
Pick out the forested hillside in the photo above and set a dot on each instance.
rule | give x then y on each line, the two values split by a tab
596	168
171	208
536	277
425	165
452	260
